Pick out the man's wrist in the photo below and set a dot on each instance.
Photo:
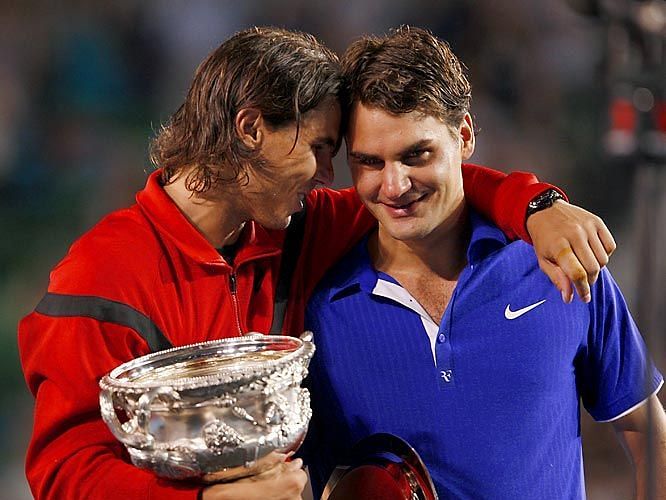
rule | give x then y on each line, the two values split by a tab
542	201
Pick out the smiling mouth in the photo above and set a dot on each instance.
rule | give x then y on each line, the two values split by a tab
403	209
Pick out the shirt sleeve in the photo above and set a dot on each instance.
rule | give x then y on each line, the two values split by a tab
503	198
72	454
614	371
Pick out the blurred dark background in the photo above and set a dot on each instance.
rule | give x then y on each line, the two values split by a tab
570	90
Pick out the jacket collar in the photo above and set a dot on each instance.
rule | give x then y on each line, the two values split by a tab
164	214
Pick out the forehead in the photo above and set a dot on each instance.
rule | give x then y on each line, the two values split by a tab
322	121
372	129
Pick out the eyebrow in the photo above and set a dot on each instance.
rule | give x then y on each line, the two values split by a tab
417	146
362	157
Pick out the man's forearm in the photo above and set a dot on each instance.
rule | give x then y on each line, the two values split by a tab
650	473
643	436
652	484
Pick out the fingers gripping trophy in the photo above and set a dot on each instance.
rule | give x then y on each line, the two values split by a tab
213	411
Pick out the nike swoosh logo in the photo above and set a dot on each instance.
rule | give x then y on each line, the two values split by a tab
509	314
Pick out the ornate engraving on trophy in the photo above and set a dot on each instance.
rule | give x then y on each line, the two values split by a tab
211	410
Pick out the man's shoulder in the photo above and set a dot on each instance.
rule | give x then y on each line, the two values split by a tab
517	256
119	245
516	267
511	275
123	232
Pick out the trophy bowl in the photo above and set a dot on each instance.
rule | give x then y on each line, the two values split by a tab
211	411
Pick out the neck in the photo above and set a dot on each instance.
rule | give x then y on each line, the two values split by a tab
213	214
443	252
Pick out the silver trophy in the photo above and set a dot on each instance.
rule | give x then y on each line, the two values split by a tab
212	411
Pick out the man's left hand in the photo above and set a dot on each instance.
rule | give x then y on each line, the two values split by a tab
572	245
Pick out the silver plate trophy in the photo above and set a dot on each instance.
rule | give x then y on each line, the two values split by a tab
381	466
211	411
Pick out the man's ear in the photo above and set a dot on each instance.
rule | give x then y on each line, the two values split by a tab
467	137
249	127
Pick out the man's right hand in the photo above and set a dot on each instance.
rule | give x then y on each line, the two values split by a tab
284	481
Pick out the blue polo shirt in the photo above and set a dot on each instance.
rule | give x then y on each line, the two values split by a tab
490	397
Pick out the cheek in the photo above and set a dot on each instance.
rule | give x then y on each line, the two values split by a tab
297	171
448	187
305	167
311	166
446	174
367	183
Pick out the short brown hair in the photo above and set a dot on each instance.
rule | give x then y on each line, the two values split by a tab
407	70
282	73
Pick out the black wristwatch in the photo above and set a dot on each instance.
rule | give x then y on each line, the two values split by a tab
542	201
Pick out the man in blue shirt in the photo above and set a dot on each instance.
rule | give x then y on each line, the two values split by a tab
439	330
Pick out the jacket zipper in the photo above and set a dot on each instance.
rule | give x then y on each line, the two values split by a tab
234	298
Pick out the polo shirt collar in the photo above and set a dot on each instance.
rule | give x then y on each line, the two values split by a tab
163	213
359	270
485	239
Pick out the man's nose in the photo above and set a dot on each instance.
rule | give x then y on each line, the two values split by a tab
395	180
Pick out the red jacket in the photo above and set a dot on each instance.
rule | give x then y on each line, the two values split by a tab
145	273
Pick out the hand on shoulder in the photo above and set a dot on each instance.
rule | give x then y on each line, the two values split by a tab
572	245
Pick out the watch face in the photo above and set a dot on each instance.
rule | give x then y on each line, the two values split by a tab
382	466
544	200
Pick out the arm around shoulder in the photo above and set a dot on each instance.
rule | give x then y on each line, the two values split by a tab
571	244
503	198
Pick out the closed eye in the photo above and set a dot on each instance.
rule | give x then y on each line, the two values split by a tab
328	147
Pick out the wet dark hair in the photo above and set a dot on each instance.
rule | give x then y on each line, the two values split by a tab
410	69
284	74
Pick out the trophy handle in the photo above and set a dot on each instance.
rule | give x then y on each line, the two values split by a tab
143	411
307	337
125	432
136	431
